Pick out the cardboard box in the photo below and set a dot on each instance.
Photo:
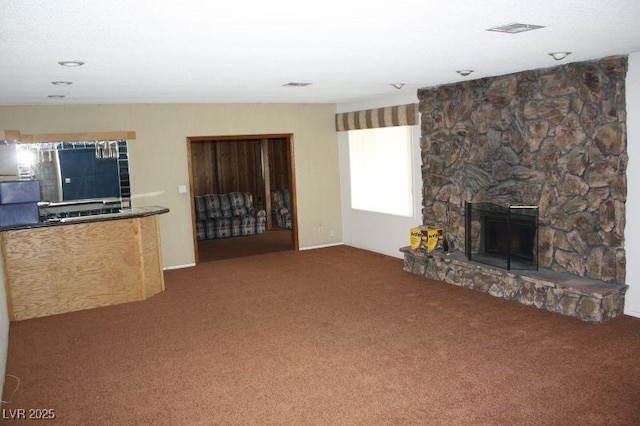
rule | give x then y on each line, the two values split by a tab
415	240
426	238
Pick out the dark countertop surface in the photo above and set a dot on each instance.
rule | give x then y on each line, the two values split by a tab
123	214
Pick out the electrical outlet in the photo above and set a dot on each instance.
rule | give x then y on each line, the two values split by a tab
320	229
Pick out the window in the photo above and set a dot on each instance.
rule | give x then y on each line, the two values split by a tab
380	170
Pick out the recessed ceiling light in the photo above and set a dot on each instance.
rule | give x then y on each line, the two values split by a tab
71	63
515	28
296	84
398	85
464	73
61	83
55	96
558	56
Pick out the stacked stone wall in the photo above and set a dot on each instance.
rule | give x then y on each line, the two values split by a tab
580	298
555	138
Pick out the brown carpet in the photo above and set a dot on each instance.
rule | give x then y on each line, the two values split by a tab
329	336
248	245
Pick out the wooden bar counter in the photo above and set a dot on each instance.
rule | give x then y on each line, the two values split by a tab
82	262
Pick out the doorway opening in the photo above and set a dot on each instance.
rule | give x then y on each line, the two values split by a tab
261	168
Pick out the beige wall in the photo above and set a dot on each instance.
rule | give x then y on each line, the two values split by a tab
158	157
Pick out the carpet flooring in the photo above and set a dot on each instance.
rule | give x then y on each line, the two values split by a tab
248	245
334	336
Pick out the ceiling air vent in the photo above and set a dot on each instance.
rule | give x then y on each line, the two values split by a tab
515	28
296	84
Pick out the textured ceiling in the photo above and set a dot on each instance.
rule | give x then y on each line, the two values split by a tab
165	51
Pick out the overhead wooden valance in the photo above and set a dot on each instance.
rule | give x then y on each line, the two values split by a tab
400	115
15	136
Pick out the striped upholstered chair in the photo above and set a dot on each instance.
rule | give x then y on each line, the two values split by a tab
228	215
281	206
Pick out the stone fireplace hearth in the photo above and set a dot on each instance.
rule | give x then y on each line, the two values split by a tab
583	298
553	138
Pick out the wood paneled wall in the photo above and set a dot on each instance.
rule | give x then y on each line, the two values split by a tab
278	161
223	166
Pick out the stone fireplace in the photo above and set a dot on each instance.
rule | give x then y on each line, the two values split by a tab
553	138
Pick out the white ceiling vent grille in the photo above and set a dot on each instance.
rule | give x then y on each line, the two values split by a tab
515	28
296	84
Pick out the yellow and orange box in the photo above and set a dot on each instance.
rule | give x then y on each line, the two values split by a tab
427	238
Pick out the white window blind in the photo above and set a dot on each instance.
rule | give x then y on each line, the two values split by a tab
380	170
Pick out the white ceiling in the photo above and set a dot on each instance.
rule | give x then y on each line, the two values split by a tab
192	51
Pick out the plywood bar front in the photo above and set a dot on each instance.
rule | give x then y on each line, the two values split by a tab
81	265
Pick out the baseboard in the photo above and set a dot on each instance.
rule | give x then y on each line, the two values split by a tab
632	313
187	265
321	246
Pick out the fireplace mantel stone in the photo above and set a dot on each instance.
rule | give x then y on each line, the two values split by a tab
579	297
555	138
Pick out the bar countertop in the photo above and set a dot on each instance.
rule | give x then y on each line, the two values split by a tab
129	213
103	259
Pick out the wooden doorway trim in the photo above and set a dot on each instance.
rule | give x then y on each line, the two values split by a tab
192	203
288	138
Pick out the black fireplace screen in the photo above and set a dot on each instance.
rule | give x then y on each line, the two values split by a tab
506	237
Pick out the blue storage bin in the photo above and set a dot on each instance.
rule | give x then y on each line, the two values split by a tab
19	191
19	214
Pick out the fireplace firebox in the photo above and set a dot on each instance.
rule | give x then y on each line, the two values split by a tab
505	237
